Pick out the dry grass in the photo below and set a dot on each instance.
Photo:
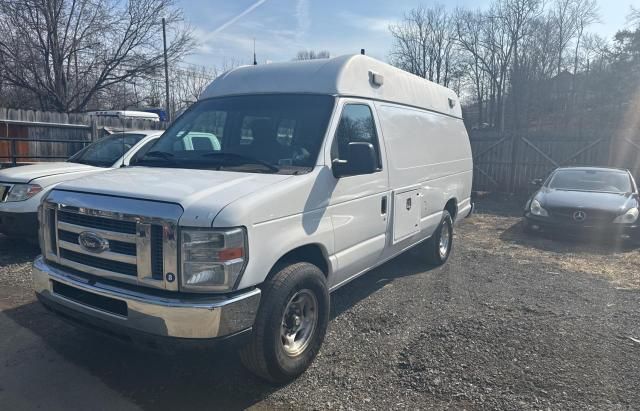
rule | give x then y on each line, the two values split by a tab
505	236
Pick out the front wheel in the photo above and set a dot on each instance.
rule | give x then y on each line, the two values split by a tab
290	325
438	247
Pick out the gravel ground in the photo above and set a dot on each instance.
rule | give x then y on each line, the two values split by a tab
510	322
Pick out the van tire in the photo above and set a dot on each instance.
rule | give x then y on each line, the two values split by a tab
435	256
266	355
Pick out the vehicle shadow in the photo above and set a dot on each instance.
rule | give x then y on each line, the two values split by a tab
201	379
408	264
503	205
16	251
566	243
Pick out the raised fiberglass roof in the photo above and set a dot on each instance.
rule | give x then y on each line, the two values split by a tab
348	75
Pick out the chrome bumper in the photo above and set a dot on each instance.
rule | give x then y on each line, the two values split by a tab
203	318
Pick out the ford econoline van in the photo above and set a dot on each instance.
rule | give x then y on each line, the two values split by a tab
281	184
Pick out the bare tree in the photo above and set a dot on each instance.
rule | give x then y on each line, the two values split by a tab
565	24
424	43
187	84
634	16
312	55
65	52
469	35
585	13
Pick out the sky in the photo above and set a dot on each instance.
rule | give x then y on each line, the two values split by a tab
225	29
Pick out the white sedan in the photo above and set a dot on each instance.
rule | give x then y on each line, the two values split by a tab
22	188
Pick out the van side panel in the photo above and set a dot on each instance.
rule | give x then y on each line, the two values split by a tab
431	152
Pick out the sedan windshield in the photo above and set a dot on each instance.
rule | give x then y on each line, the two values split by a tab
253	133
105	152
610	181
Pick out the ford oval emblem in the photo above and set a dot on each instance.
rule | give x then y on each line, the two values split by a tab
92	242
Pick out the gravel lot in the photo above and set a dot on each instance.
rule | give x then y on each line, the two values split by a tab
510	322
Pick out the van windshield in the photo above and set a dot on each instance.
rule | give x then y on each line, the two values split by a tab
280	133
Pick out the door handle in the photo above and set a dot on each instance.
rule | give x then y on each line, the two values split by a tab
383	206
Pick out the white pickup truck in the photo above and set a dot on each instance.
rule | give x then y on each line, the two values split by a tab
22	188
281	184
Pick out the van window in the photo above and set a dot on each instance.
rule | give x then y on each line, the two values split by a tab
284	133
246	132
356	125
286	129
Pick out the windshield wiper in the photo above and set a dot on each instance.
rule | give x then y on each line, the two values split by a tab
240	159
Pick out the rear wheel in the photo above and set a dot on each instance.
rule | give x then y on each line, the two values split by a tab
290	325
438	247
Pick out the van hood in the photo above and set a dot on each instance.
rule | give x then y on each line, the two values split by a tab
201	193
26	174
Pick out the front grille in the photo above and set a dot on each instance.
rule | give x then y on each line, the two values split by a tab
157	254
592	216
52	230
100	263
121	246
110	305
101	223
68	236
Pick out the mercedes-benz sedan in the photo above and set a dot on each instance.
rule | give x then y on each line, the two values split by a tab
589	200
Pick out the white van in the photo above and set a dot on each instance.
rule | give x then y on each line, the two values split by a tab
325	170
22	188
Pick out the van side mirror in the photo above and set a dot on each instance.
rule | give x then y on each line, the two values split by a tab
537	182
361	159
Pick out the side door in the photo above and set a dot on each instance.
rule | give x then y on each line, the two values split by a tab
359	204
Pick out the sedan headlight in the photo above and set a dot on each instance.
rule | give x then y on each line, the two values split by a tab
21	192
212	259
630	217
536	209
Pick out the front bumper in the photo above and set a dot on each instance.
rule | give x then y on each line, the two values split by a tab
19	224
571	228
198	318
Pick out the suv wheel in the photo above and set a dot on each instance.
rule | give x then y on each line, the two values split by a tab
290	325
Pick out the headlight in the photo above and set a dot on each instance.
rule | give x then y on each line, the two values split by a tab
212	259
536	209
629	217
21	192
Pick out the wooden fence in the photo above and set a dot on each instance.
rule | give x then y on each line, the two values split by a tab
27	136
509	163
503	163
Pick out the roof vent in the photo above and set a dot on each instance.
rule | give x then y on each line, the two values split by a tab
376	79
452	103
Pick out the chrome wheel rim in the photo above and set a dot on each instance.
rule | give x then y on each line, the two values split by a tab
299	322
445	239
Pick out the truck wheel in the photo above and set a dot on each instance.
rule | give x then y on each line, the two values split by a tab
438	247
291	323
